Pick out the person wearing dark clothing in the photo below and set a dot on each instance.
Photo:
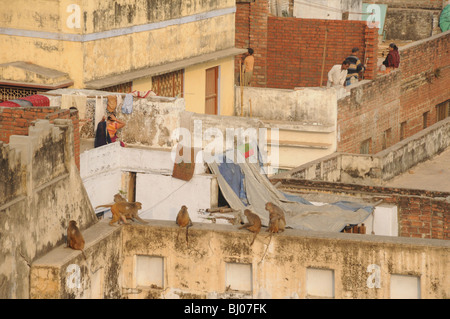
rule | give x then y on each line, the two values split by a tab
101	135
393	57
354	69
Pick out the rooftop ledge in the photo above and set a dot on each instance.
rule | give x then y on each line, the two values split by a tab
101	230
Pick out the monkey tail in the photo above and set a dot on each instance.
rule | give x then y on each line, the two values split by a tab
187	230
267	248
108	206
254	237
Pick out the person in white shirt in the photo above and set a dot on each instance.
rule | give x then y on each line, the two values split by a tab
337	74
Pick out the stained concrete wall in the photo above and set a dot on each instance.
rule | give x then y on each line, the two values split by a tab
411	20
316	106
200	269
41	191
219	263
64	273
150	123
373	169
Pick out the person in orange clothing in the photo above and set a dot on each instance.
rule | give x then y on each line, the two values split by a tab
113	124
249	62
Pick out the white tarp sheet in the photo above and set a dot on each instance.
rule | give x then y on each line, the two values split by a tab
259	190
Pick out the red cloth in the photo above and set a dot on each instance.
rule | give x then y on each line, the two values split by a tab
37	100
392	59
9	104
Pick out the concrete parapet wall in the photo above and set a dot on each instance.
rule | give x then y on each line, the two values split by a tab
304	105
42	191
219	263
373	169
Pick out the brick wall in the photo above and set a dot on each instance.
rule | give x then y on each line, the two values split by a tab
421	214
288	51
296	47
16	120
251	31
401	96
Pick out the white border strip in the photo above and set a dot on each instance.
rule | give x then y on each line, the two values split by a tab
116	32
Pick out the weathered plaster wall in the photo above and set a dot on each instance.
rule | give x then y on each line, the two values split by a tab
64	273
150	123
200	269
84	41
43	191
411	20
373	169
304	105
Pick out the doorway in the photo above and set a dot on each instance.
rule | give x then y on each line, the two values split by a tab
212	90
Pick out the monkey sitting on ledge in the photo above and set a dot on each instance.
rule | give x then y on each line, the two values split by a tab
276	216
75	239
183	220
253	225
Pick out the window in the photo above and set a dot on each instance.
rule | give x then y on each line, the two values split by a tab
150	271
405	287
386	139
169	84
15	92
238	276
402	130
366	146
442	110
120	88
425	120
319	283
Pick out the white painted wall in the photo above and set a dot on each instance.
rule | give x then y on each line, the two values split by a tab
327	9
161	195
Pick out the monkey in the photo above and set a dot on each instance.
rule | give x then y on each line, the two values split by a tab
183	220
253	225
277	219
75	239
277	222
130	214
124	210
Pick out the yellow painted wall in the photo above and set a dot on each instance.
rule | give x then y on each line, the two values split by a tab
195	85
118	54
143	84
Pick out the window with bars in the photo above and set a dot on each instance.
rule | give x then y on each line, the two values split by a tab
120	88
366	146
169	84
14	92
443	110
